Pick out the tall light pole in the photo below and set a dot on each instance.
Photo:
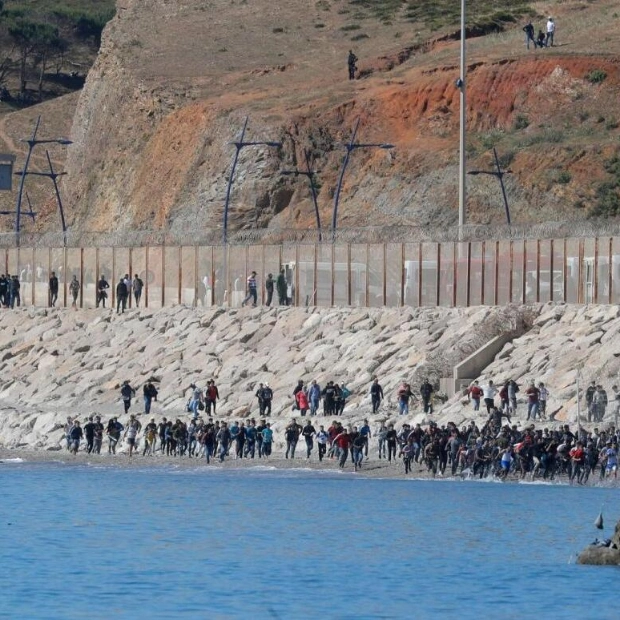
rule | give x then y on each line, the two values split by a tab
461	83
31	145
239	145
351	146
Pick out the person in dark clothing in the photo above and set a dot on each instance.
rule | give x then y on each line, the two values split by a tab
308	433
137	286
291	434
529	34
150	394
121	296
352	63
541	39
376	395
426	392
14	288
76	435
391	439
4	291
89	432
281	288
102	294
127	393
269	284
53	289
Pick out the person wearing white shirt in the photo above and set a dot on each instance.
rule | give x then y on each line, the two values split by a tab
550	32
488	392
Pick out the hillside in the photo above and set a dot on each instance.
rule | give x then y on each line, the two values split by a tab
174	81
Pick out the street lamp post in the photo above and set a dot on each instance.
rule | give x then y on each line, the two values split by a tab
239	145
499	173
32	143
308	172
461	83
350	147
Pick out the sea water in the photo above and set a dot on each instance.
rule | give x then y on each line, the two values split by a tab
85	542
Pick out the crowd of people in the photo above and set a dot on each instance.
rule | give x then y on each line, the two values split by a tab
490	450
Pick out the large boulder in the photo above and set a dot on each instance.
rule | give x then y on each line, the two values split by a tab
603	556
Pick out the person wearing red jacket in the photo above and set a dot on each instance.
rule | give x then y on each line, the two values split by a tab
475	394
302	402
343	441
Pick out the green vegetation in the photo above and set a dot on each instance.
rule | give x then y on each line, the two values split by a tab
565	177
608	193
596	76
521	122
482	15
36	35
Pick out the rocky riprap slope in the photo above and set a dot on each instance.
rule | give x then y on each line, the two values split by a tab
61	362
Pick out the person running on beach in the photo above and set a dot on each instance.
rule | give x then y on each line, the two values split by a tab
223	439
357	447
98	438
114	430
321	440
127	393
391	439
89	433
76	436
291	434
131	433
267	434
67	429
150	437
308	433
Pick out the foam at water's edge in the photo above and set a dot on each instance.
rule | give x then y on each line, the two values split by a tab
12	460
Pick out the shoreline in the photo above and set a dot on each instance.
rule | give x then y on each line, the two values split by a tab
371	469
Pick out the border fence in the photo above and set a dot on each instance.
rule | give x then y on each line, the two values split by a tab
373	274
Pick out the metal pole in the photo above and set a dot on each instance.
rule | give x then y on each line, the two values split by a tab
238	147
18	208
500	176
314	196
53	176
462	80
345	163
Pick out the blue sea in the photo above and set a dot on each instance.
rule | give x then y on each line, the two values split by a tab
86	542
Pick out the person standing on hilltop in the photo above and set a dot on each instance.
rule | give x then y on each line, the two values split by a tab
102	294
53	289
352	63
251	282
550	32
529	34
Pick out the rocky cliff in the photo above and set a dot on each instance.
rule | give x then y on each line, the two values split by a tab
175	79
55	363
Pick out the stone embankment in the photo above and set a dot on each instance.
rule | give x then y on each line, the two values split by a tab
55	363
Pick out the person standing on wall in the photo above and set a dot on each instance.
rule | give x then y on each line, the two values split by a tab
53	289
251	288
